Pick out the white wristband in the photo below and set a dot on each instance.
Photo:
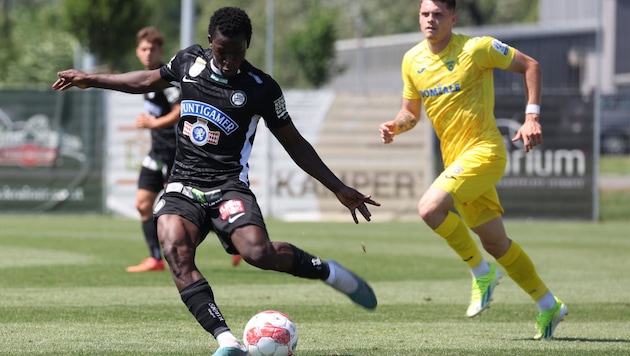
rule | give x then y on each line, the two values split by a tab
532	109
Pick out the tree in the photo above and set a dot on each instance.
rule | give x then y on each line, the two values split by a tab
30	31
30	55
106	28
313	46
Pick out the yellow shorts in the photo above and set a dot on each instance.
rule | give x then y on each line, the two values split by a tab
471	181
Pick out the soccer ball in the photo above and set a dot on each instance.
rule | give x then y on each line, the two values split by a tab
270	333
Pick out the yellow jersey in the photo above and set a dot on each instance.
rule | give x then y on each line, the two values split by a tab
456	87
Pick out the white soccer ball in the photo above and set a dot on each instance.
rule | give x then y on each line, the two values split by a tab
270	333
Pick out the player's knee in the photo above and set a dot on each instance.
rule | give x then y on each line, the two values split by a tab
144	207
260	255
426	210
178	255
432	213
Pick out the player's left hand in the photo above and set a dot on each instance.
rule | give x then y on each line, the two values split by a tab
354	200
530	132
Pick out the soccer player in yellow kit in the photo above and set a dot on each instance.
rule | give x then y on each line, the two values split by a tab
452	75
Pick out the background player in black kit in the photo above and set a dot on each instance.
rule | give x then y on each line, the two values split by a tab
223	97
160	116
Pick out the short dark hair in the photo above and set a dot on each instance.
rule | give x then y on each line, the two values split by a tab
151	35
231	22
450	4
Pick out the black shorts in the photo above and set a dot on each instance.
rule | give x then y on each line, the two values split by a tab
153	175
237	208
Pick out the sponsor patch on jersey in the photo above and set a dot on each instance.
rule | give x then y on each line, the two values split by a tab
234	207
197	67
208	112
213	137
199	133
500	47
281	107
238	98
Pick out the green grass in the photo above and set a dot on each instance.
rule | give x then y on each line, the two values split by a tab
64	291
614	203
615	165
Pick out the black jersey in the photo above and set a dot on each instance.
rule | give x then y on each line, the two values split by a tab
219	117
163	140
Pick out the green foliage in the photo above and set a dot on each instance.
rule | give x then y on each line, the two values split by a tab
106	28
31	56
492	12
65	291
313	46
37	29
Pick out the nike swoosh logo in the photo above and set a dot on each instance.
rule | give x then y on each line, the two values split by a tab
188	80
231	219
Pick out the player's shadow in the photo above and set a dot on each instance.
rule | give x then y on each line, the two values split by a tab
580	339
584	339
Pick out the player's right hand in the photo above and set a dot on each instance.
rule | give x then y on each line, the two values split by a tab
387	131
145	121
70	78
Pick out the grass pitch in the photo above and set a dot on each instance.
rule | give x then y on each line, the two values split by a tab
64	291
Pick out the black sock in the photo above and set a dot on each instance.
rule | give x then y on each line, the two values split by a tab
199	299
150	235
308	266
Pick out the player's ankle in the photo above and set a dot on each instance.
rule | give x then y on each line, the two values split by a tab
227	339
341	279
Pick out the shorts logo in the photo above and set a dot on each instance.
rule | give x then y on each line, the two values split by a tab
232	210
233	218
159	206
238	98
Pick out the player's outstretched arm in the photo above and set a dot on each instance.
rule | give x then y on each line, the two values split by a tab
304	155
136	82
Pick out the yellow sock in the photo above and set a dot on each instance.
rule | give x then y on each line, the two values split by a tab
456	234
520	268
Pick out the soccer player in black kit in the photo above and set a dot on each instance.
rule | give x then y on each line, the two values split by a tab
223	97
160	116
